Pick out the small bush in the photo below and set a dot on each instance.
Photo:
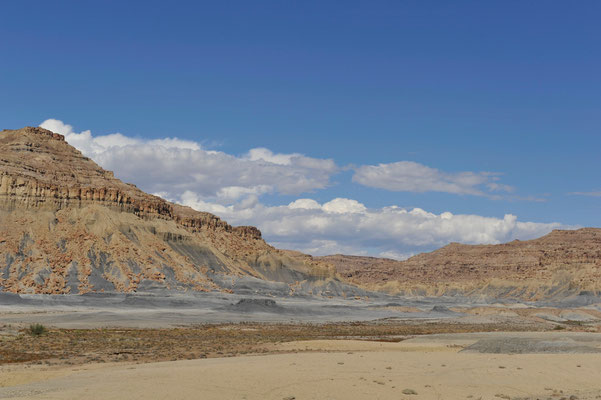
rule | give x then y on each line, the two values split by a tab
558	328
37	329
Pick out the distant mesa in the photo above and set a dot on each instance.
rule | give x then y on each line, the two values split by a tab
558	265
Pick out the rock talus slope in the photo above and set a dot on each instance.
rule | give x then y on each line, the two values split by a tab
68	226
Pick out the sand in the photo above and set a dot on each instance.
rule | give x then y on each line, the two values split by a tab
434	367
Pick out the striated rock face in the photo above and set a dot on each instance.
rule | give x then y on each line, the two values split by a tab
68	226
562	263
38	169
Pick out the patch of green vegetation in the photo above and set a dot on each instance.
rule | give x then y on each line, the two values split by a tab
36	329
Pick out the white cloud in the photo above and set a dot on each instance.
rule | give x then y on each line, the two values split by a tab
307	204
263	154
343	206
172	166
230	186
347	226
232	193
409	176
96	145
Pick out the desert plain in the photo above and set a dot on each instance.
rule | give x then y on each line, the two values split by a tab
263	349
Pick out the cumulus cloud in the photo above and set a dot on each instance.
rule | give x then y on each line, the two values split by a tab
231	186
348	226
409	176
306	204
172	166
343	206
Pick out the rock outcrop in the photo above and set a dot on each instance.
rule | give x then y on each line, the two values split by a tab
38	169
69	226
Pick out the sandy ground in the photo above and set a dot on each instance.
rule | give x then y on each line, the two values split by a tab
434	367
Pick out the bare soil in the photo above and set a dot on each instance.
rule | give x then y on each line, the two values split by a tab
81	346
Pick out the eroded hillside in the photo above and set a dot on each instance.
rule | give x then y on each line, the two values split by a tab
69	226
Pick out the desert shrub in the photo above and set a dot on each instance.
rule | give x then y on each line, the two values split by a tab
37	329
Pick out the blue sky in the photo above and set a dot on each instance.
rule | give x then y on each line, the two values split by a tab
512	88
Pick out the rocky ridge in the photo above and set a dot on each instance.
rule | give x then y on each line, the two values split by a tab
562	263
